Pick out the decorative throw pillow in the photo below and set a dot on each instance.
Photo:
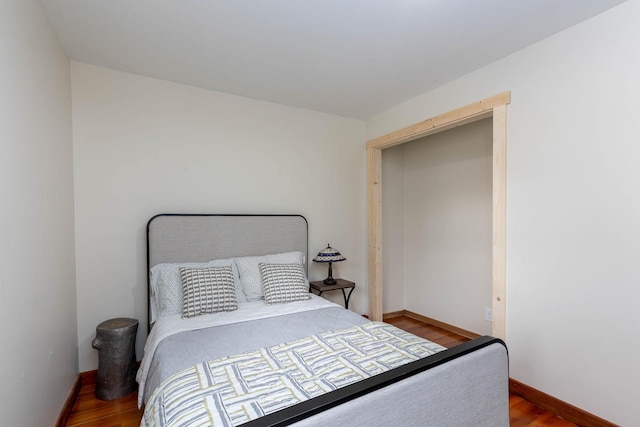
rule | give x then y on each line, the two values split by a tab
207	290
250	273
283	283
166	285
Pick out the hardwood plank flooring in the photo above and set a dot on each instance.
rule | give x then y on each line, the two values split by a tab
123	412
90	411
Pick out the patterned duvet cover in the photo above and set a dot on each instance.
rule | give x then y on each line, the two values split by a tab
233	390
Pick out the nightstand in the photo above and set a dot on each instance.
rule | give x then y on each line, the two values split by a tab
341	284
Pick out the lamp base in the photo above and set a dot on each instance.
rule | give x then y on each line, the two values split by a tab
330	280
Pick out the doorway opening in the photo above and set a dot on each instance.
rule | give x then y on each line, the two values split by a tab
494	107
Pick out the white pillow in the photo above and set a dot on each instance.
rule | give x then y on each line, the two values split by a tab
250	272
166	285
284	283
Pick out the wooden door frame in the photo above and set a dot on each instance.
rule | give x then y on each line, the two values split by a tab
495	107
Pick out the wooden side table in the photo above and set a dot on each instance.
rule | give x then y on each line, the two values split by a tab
341	284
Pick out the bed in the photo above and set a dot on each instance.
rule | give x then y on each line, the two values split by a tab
269	352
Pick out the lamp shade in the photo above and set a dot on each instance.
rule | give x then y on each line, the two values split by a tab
329	255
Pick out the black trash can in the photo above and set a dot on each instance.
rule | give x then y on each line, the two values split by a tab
116	344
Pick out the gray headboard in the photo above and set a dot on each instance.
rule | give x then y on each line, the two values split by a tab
204	237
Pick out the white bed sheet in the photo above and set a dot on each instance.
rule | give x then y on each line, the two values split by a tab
170	325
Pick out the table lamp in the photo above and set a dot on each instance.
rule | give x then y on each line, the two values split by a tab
329	255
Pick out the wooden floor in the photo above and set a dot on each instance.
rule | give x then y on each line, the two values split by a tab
123	412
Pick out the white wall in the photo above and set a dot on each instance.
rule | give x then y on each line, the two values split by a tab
38	361
144	146
572	208
444	223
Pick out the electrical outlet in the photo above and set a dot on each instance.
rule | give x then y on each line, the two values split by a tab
488	314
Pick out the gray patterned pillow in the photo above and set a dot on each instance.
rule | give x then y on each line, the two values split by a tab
207	290
249	272
166	286
283	283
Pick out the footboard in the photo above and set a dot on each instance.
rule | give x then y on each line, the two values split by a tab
466	385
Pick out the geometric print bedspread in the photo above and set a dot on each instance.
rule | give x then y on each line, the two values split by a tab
236	389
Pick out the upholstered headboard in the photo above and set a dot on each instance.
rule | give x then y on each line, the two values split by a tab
204	237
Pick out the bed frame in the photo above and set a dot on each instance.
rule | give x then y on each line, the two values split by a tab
463	385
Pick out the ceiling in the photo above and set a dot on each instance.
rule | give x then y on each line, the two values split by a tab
353	58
